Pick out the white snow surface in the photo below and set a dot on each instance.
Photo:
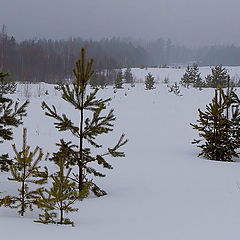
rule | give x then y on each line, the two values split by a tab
160	190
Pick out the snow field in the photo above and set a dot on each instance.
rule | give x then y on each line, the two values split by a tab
161	190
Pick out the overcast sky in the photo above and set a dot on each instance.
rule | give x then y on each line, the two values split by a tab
189	22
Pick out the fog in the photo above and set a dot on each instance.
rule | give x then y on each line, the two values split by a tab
188	22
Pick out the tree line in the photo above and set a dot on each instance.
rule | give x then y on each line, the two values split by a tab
52	60
164	52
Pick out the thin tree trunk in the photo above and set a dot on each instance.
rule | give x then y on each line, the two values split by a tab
80	170
22	198
215	132
23	189
228	95
61	213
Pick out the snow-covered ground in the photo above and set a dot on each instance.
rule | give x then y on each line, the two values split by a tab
175	74
161	190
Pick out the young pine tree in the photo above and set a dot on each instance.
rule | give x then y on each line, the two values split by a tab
88	128
24	170
59	198
218	78
6	85
119	80
191	77
10	116
175	89
217	131
198	82
149	82
233	110
128	76
187	78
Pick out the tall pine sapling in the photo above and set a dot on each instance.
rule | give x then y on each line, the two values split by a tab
6	85
88	128
10	116
187	78
216	130
192	77
198	82
119	80
218	78
128	76
24	170
233	110
149	82
59	198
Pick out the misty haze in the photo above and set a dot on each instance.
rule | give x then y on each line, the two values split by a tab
187	22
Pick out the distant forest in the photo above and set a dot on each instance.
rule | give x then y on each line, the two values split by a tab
53	60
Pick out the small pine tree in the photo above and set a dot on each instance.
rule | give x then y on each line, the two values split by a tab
128	76
166	80
119	80
89	127
236	122
233	110
10	116
218	78
187	78
25	170
149	82
217	131
175	89
198	82
59	198
7	86
192	77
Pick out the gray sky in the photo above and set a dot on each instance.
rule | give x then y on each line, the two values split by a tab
189	22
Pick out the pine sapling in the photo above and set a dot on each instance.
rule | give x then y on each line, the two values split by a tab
88	128
218	78
216	130
192	77
6	85
175	89
10	116
24	170
128	76
119	80
233	110
149	82
187	78
56	201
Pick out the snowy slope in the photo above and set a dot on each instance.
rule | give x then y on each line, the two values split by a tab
161	190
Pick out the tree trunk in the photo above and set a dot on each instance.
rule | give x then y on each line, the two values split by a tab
228	95
22	198
23	185
80	161
61	214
